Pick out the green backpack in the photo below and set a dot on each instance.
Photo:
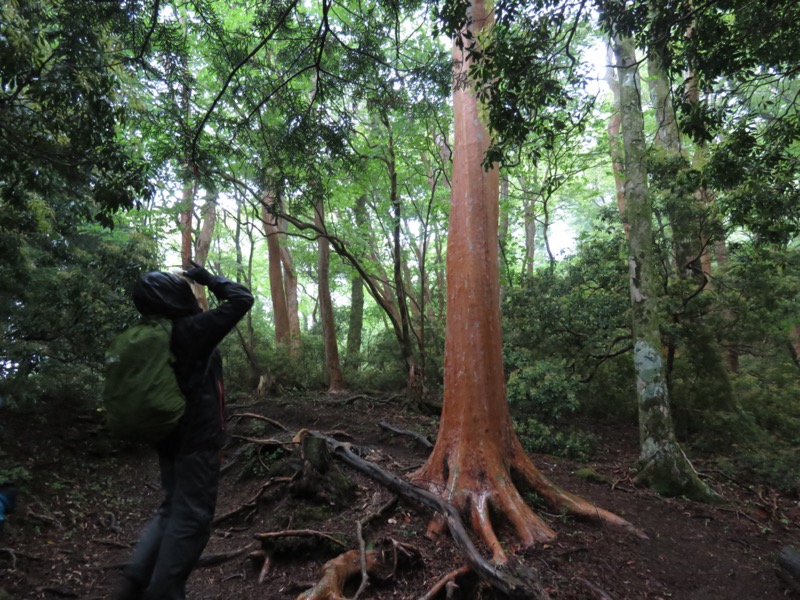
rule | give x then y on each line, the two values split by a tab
141	395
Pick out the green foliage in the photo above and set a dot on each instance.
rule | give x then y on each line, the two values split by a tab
72	297
60	157
537	437
571	325
543	389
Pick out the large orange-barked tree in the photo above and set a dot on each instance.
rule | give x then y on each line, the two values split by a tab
478	464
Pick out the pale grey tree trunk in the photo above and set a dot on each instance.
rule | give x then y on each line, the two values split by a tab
662	463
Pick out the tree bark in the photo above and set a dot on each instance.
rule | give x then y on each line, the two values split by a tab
616	148
280	312
202	244
290	289
662	463
477	457
332	368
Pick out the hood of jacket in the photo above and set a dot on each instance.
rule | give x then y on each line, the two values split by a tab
164	295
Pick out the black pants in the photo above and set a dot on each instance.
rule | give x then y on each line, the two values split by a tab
173	541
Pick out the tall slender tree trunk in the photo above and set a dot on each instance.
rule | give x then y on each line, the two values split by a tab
332	368
277	292
529	200
356	321
248	339
502	235
290	289
478	460
662	463
202	244
616	148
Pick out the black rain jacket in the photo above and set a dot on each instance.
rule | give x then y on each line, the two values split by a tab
198	363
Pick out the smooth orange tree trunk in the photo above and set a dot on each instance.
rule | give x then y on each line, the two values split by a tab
478	458
280	311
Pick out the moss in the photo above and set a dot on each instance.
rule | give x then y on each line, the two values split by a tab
593	476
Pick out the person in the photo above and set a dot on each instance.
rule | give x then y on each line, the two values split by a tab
189	458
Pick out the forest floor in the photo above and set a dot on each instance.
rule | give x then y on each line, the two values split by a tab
86	497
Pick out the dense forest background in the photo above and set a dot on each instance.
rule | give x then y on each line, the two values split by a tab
305	149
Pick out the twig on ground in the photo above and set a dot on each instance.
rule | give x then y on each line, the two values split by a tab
265	568
272	422
253	503
46	518
420	439
381	510
297	533
209	560
442	583
262	441
362	551
114	543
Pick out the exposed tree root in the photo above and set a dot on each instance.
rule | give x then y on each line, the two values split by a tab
337	571
488	485
210	560
420	439
272	422
442	583
596	592
564	501
510	579
251	505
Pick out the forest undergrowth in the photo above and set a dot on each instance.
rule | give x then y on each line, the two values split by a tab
85	497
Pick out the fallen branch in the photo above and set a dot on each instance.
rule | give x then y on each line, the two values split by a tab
421	439
271	535
511	580
442	583
262	441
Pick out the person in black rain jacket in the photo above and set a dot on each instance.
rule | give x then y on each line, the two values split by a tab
189	457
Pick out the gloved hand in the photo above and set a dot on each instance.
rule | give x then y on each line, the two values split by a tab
198	274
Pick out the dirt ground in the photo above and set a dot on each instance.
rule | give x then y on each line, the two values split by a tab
87	496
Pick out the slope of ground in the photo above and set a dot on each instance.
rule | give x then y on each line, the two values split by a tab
86	496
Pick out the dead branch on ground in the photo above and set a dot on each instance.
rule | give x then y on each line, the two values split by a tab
262	441
271	535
